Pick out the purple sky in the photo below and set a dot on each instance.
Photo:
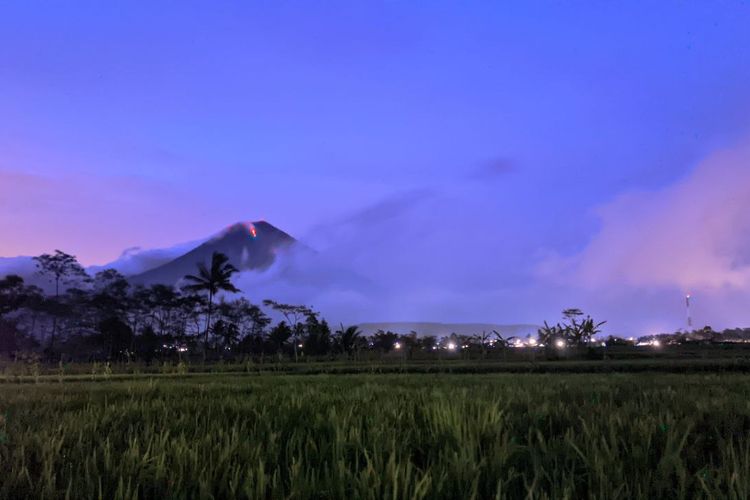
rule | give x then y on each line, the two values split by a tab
491	162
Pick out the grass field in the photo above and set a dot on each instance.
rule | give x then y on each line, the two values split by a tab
672	360
378	436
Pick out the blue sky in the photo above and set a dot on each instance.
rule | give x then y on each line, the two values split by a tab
516	124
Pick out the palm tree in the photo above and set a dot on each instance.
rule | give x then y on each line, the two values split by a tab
347	338
589	329
580	332
483	339
548	335
212	281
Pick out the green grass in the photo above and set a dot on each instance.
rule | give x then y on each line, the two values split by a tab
19	372
379	436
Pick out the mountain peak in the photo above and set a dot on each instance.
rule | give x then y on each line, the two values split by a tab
251	228
249	246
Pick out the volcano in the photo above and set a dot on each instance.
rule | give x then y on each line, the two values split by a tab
249	246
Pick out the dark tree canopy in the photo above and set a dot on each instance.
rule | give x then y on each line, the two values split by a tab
60	268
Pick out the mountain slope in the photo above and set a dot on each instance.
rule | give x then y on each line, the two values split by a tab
137	260
24	267
249	246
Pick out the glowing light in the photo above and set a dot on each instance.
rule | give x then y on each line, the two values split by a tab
656	343
253	232
299	345
532	341
451	346
604	344
560	343
397	345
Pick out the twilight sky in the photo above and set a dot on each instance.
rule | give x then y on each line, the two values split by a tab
489	161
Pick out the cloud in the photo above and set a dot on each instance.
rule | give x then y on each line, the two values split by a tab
654	246
414	256
23	266
464	253
137	260
692	234
494	169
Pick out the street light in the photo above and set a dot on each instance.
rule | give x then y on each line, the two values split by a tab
560	343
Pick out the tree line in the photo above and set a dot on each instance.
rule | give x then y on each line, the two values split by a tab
104	317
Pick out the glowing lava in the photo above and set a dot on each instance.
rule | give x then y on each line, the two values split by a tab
253	232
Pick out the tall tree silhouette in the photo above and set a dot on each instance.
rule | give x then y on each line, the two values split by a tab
347	338
212	281
60	268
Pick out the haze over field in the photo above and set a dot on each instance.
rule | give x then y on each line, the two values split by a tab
484	164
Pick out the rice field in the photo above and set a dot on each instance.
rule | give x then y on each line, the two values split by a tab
619	435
